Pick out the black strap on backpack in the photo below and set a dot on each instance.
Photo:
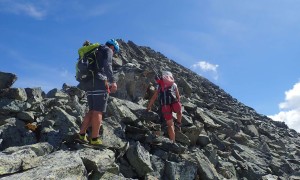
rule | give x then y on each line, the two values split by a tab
86	66
167	95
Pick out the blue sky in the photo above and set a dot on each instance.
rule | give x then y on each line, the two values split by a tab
249	48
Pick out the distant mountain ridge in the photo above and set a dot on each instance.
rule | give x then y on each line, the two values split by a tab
221	138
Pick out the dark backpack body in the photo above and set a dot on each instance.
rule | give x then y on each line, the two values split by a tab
167	95
86	64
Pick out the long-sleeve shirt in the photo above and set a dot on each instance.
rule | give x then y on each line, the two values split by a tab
104	64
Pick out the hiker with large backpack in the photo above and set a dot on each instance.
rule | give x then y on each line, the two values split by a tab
95	75
169	98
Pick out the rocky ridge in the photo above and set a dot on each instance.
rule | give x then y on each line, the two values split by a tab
220	138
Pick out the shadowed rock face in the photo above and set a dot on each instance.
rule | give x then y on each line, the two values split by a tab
7	80
220	138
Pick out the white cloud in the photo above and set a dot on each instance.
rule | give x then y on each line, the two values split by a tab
20	8
290	108
206	68
292	98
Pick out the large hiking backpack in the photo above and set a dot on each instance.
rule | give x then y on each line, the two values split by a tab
85	66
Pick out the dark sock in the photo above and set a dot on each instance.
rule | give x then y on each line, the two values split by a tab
94	139
82	134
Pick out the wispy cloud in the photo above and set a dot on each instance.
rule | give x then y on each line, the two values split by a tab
171	50
206	40
36	11
45	77
99	10
34	82
206	68
290	108
36	74
40	9
231	28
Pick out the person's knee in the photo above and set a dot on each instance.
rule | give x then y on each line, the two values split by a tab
97	113
170	123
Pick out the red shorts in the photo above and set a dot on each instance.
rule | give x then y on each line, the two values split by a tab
168	109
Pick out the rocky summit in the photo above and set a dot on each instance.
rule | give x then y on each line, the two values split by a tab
220	137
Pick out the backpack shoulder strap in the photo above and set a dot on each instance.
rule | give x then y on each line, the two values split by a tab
174	86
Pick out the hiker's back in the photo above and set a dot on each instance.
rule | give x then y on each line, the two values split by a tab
102	54
167	95
86	64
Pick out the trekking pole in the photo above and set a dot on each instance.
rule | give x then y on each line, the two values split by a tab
158	78
154	70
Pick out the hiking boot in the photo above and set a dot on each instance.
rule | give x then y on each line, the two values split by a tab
81	139
96	142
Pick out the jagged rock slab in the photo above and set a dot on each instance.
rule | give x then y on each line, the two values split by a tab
57	165
139	158
15	159
7	80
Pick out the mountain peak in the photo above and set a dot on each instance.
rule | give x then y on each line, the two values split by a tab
220	137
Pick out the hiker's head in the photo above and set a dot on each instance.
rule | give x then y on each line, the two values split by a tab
167	78
167	74
113	43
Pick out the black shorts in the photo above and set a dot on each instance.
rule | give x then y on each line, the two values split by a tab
97	94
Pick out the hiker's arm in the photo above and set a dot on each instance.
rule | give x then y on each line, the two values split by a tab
177	94
152	100
109	72
108	66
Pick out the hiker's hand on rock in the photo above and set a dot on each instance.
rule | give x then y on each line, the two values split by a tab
113	88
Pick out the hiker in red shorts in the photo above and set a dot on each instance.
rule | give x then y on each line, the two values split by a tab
169	98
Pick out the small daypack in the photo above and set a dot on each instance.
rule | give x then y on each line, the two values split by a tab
167	95
85	66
